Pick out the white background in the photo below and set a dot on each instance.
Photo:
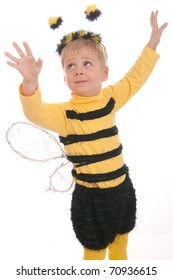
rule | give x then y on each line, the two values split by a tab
35	226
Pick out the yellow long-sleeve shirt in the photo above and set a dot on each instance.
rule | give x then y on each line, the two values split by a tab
86	125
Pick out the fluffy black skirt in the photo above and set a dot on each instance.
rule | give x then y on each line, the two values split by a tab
98	215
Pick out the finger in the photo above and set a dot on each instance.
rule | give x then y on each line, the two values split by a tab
156	14
163	27
155	22
151	19
14	65
12	57
40	63
27	49
18	49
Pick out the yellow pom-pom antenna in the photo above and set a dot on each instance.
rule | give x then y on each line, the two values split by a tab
92	13
55	22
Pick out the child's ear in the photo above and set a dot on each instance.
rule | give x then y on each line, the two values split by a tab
105	73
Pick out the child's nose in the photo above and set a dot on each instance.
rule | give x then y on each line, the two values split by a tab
79	72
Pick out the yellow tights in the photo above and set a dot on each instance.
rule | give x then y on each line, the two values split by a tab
116	250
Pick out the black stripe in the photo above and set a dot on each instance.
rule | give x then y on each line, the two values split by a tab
88	159
71	114
74	138
102	177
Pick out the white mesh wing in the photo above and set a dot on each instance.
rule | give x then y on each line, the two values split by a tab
36	144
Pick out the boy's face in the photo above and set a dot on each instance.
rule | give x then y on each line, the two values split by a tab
84	72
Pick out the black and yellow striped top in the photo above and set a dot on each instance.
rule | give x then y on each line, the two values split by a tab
87	125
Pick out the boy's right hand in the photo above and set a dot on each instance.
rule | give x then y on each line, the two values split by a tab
27	66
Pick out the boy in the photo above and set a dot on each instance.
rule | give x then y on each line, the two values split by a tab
103	208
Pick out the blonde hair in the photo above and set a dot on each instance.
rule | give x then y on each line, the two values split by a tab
78	44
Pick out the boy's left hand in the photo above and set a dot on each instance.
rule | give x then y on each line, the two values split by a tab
156	31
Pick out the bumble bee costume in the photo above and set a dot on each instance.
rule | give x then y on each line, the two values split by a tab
103	209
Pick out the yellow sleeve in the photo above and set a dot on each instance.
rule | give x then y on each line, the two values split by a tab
48	116
123	90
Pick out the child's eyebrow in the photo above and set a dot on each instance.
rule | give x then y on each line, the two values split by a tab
72	60
69	60
88	58
92	59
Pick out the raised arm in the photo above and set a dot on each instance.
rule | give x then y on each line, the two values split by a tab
27	66
156	32
135	78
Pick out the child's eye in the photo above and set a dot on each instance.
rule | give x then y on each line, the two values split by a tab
87	63
70	66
